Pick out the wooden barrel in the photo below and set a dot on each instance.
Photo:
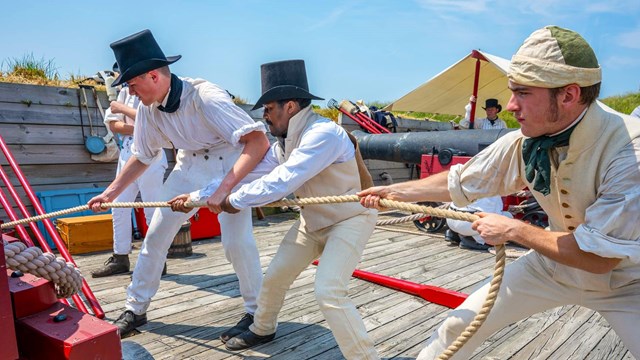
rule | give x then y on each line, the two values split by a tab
181	245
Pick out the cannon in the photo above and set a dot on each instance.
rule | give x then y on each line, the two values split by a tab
409	147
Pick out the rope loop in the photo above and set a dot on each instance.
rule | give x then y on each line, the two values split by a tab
65	276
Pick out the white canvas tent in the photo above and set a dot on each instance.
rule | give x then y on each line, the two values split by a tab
449	91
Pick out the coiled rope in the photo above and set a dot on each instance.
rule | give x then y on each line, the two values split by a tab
65	276
420	211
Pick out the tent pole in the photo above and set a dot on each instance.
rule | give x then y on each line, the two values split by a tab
476	81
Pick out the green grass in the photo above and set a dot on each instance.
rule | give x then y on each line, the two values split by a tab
30	68
623	103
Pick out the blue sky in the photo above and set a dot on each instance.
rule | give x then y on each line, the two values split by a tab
353	49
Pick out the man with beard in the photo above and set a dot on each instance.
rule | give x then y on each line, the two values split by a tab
580	160
313	157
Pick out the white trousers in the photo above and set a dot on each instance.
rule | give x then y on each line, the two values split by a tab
194	170
148	185
529	287
340	247
489	205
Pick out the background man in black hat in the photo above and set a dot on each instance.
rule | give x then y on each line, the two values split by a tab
493	108
216	140
313	157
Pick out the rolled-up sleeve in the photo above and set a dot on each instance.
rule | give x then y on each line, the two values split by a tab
493	171
318	149
226	119
110	116
148	142
611	223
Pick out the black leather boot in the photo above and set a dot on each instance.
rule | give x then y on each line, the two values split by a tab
116	264
128	321
451	236
239	328
469	243
246	340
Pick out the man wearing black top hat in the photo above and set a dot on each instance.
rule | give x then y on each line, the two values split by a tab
491	122
216	140
311	157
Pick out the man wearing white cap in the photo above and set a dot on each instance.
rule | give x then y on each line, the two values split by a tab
579	159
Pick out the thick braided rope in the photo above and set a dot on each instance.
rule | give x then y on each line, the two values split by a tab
400	220
437	212
445	213
408	218
65	276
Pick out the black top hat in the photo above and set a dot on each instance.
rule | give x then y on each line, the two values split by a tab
137	54
282	80
492	103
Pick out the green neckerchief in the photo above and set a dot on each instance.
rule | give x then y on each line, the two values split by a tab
535	153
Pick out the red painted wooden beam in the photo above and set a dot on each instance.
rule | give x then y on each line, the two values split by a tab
434	294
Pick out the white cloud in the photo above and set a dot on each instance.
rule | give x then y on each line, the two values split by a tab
455	6
616	61
612	6
332	18
630	39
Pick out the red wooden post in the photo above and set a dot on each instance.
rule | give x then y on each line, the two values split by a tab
476	80
8	344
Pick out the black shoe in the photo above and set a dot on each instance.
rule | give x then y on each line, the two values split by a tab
246	340
116	264
468	242
239	328
128	321
451	236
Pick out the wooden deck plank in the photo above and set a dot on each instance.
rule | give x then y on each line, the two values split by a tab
199	299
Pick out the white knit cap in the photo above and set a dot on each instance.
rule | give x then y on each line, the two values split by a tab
553	57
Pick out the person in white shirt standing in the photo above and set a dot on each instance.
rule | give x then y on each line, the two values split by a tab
491	122
312	156
216	140
120	118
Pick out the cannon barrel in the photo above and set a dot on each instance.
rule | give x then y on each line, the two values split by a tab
409	147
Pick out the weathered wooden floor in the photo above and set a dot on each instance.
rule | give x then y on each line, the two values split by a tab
199	298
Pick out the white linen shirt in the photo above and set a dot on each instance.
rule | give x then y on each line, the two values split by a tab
608	222
206	119
322	144
124	97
